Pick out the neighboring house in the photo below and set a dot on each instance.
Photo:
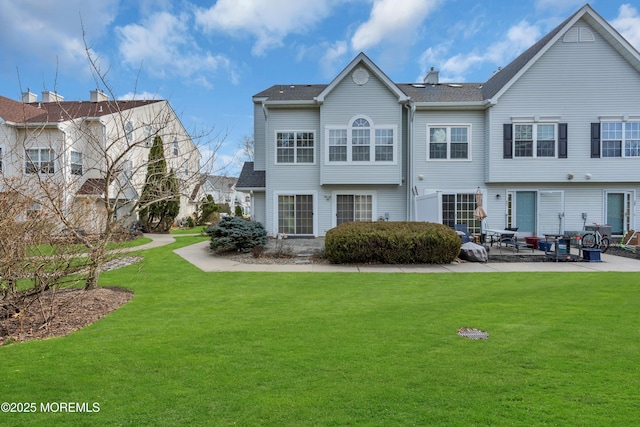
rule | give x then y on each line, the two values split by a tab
223	190
68	144
552	141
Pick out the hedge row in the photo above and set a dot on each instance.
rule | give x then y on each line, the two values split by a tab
392	243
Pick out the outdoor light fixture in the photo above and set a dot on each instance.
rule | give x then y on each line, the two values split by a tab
498	196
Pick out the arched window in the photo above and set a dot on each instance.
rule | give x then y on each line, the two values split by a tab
361	140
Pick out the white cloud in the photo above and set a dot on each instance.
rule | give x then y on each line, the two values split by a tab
628	24
333	55
140	96
392	21
49	34
518	38
269	21
161	44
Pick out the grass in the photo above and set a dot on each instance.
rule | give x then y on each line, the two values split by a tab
196	348
44	250
195	230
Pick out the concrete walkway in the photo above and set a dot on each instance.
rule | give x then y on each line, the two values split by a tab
200	256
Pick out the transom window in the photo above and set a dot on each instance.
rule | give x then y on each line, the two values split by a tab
39	160
362	142
534	140
76	163
295	147
620	139
448	142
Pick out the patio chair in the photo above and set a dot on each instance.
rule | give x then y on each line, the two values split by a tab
511	239
463	232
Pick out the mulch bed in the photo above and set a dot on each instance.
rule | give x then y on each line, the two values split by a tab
59	313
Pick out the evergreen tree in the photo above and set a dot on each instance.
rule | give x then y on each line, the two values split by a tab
160	200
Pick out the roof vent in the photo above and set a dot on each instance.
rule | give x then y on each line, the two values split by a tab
432	77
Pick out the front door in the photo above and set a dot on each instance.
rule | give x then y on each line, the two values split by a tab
521	211
618	212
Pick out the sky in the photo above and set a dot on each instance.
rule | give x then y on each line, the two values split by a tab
208	58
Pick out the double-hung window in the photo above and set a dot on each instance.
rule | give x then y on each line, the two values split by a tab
449	142
534	140
337	145
39	160
620	139
1	153
76	163
361	142
295	147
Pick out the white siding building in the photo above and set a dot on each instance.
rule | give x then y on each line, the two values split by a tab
552	141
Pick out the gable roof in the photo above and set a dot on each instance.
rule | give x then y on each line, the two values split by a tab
363	59
463	93
17	112
53	112
503	79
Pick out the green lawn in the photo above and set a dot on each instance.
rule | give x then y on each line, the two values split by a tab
196	348
195	230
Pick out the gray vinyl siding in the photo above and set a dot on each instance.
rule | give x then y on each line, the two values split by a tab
375	101
578	83
448	174
289	178
259	137
579	198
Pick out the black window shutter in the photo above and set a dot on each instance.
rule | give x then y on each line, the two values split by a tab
507	142
562	140
595	140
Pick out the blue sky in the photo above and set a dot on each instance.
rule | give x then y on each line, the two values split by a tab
209	57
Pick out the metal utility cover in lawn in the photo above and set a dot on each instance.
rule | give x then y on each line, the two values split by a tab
473	334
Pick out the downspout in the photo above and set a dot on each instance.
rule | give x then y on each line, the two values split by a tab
267	205
411	109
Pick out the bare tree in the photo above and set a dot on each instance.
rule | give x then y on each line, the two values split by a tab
82	165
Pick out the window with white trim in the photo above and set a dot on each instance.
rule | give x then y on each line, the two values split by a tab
362	142
175	147
128	130
620	139
458	208
1	164
295	147
449	142
34	211
39	160
354	207
337	145
76	163
534	140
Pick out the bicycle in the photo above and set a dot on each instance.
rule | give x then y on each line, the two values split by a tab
594	239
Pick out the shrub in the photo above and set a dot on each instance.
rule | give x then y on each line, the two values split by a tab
236	234
190	222
392	243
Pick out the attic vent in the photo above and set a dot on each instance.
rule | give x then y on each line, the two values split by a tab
418	85
579	35
454	85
